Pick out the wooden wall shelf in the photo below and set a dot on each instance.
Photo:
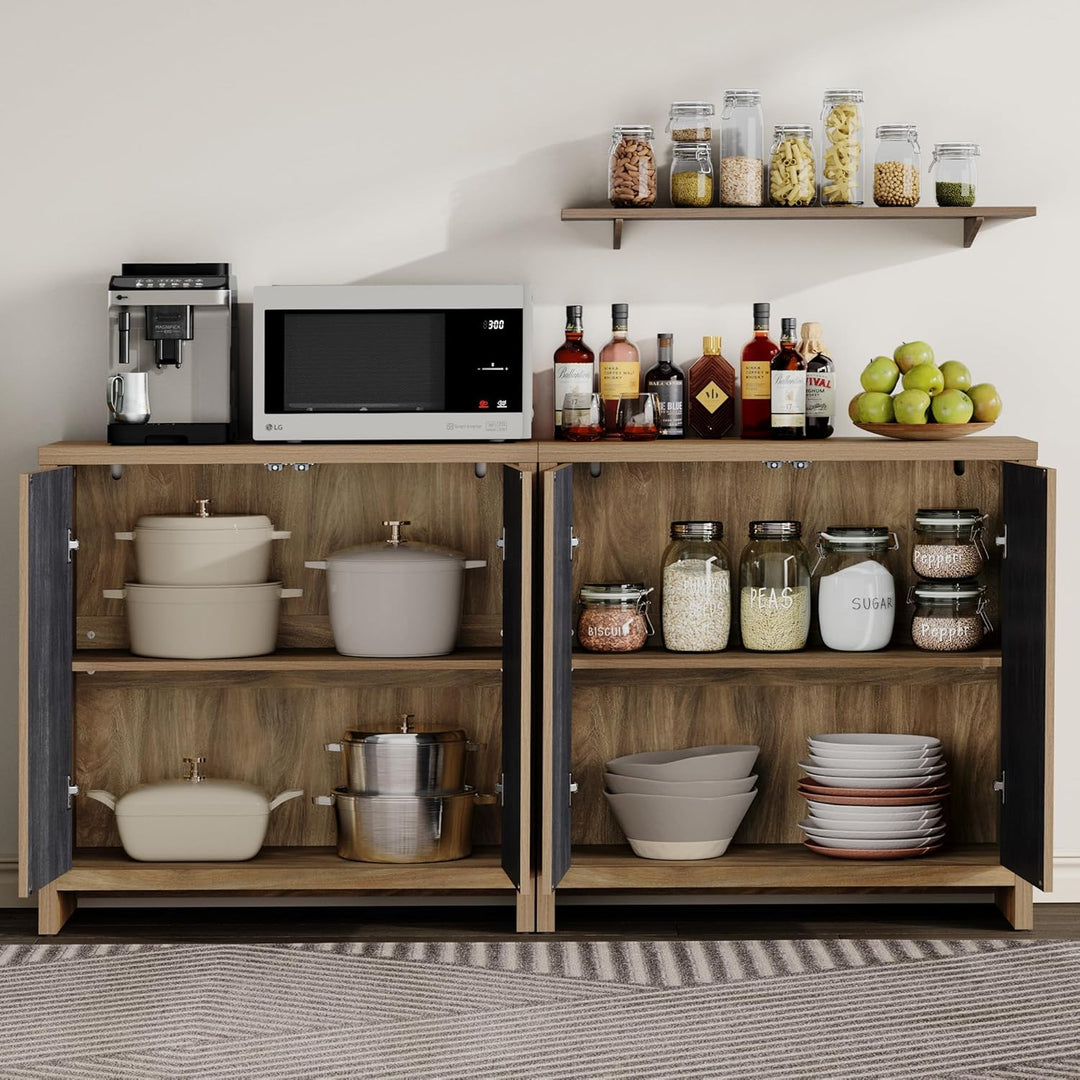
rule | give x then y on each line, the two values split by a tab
973	217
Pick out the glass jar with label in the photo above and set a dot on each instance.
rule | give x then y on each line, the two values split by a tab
631	166
841	178
774	588
691	121
856	601
691	174
950	616
695	594
896	165
742	149
614	617
948	543
792	171
956	173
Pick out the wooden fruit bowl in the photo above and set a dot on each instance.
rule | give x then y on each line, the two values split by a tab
924	431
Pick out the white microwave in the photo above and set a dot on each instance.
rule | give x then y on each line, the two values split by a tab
352	363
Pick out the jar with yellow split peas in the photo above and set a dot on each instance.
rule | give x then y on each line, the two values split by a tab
841	172
896	165
691	174
792	176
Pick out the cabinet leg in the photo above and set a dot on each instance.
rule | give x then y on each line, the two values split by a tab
1015	902
54	908
526	913
545	912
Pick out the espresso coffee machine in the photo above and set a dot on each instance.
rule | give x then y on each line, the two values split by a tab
172	354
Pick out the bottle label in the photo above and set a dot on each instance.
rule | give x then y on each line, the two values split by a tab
619	378
755	380
711	396
571	379
820	394
788	398
670	394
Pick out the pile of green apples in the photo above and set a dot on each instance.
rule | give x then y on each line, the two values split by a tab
929	393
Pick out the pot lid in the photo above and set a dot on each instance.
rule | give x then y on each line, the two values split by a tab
396	554
404	735
202	520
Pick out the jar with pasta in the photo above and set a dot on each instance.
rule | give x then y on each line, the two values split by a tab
742	149
841	179
631	166
774	588
691	121
792	174
695	601
956	173
691	174
896	165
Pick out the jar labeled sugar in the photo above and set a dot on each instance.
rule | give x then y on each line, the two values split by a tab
856	588
614	617
950	616
948	543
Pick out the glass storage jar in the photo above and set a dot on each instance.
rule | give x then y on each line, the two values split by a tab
614	617
856	601
691	121
948	543
841	178
691	174
742	149
896	165
774	588
631	166
956	173
792	171
695	598
950	616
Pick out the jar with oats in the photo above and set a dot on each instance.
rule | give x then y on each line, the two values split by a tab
695	600
691	174
774	588
950	616
841	180
948	543
896	165
742	149
631	166
792	171
614	617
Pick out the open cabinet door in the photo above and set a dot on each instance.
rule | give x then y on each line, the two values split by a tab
45	688
1027	675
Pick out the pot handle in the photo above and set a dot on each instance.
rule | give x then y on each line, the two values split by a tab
285	796
475	564
333	747
125	536
316	564
105	797
114	594
322	800
485	800
290	594
280	534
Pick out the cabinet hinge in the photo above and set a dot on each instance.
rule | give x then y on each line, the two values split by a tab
501	544
1003	541
999	785
500	789
574	542
72	791
73	545
572	790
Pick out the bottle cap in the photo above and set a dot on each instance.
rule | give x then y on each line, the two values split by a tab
663	339
787	325
710	346
761	312
620	312
573	313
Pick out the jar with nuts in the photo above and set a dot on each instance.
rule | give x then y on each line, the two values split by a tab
841	177
691	174
632	166
691	121
791	168
742	149
896	166
614	617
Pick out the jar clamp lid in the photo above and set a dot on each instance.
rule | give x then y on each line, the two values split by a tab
833	97
795	131
956	149
614	593
691	108
775	530
742	97
949	517
866	535
908	132
939	592
697	530
632	131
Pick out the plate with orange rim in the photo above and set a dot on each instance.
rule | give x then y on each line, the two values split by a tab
926	432
876	800
810	788
873	853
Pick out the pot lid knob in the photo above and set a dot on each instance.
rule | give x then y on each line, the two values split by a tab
202	512
193	763
406	721
395	531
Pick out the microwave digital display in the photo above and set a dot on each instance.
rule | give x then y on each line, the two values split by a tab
393	361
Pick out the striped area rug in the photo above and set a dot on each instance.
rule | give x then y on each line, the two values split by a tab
965	1010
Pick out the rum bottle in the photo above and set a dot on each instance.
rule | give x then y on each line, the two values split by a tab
756	377
666	381
620	367
788	371
573	365
820	388
711	395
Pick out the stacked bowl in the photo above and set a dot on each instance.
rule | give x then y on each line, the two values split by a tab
681	804
874	796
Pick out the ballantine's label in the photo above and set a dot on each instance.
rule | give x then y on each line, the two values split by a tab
788	398
571	379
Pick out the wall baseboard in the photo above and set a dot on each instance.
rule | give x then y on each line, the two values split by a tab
9	884
1066	882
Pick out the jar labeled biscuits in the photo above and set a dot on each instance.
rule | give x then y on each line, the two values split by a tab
632	166
614	617
950	616
948	543
896	166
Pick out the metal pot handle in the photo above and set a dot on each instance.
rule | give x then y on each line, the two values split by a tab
475	564
285	796
290	594
114	594
125	536
280	534
105	797
485	800
333	747
322	800
316	564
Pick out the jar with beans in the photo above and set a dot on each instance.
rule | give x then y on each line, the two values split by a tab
696	593
691	174
631	166
948	543
792	176
956	173
841	148
896	166
742	149
774	588
950	616
614	617
691	121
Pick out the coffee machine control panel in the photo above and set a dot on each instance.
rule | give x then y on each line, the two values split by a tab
122	281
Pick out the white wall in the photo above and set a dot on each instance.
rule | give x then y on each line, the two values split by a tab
340	141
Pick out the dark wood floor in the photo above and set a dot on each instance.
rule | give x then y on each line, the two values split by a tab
103	925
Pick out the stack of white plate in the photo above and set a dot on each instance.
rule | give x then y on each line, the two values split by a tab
874	796
681	804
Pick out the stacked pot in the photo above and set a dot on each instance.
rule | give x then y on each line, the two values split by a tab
202	591
405	798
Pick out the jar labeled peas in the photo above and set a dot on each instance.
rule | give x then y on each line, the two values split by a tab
950	616
841	148
614	617
896	166
792	175
691	174
956	173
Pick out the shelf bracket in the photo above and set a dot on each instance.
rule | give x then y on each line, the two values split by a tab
595	469
616	233
480	469
116	471
972	225
959	467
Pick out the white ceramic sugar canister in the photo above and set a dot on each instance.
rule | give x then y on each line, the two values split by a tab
395	598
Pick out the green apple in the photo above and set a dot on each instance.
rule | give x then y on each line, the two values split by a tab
957	376
911	406
952	407
911	354
853	407
875	407
880	375
986	401
925	377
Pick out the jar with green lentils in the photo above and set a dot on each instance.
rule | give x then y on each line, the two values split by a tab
956	173
691	174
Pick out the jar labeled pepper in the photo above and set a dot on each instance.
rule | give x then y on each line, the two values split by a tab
948	543
896	166
614	617
631	166
950	616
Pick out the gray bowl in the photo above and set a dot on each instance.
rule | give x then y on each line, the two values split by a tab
679	819
691	763
634	785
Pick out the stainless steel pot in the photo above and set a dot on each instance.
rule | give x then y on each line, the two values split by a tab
404	828
404	762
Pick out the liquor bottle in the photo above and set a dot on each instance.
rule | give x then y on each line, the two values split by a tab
820	386
666	381
620	367
711	395
788	370
573	365
755	374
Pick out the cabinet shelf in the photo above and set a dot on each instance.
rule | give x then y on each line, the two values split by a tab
973	217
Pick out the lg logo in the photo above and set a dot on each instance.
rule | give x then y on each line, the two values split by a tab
274	427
